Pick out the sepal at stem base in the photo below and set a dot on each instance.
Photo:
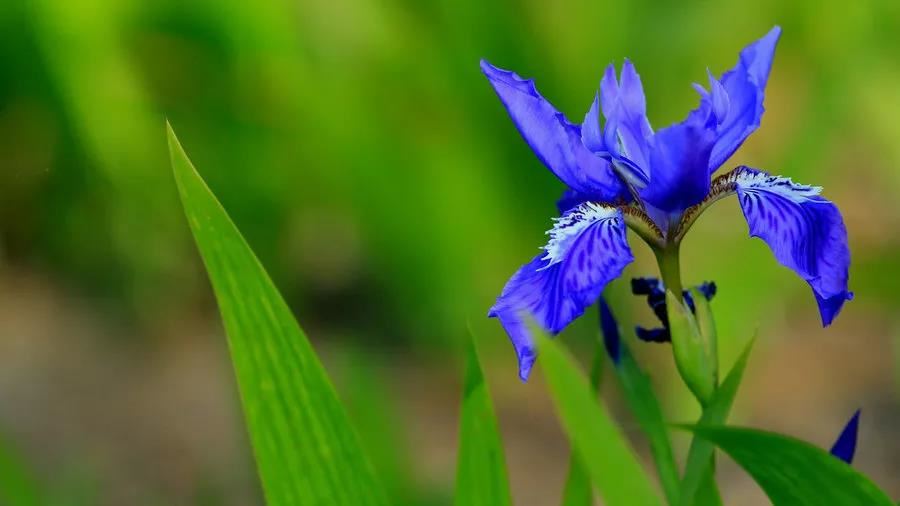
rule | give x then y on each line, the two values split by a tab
690	351
707	327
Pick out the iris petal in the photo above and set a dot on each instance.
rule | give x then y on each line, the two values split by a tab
679	159
555	141
591	134
745	86
627	135
845	446
805	232
587	250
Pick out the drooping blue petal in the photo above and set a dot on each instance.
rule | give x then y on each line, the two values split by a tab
555	141
805	232
587	250
845	446
745	86
679	159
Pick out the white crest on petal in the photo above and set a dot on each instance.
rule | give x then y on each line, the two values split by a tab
569	226
751	180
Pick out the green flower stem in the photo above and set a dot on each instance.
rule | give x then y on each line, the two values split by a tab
669	260
690	349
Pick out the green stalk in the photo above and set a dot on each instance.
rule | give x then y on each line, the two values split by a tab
689	347
669	262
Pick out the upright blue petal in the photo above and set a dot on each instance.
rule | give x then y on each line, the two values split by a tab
805	232
591	133
745	86
587	250
555	141
679	159
627	135
845	446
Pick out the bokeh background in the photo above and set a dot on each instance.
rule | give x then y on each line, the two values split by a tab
372	168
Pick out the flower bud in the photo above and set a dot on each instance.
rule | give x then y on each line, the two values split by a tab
690	349
706	325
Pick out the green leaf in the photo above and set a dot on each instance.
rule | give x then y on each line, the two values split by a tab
480	468
645	407
306	450
18	486
578	490
374	413
794	472
606	454
698	469
708	493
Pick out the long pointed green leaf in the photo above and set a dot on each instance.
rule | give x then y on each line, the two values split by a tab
708	492
698	469
646	410
481	469
578	490
306	450
610	461
18	486
794	472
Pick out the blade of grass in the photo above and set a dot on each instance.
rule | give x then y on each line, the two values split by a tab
708	492
481	478
306	449
578	490
643	402
794	472
698	471
609	459
646	410
367	396
18	486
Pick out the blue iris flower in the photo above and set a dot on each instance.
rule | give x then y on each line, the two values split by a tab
622	173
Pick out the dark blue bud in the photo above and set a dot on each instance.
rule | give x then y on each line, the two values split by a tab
708	289
646	286
657	335
610	330
689	300
845	446
655	291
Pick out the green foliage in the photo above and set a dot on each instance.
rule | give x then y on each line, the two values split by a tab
578	490
368	395
793	472
480	470
18	487
698	485
306	450
645	407
609	459
689	349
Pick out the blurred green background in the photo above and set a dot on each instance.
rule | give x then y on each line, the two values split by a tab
370	165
